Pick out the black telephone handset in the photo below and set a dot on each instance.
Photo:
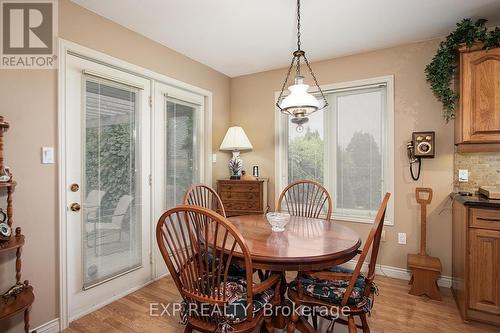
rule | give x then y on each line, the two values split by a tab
413	160
422	145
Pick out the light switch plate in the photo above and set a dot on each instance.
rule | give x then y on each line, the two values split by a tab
402	238
214	158
463	175
48	155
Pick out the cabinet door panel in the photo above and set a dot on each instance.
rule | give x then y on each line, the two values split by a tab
481	96
484	286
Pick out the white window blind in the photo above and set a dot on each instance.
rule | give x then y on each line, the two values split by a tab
346	148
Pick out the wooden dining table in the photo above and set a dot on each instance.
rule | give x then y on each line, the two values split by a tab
306	244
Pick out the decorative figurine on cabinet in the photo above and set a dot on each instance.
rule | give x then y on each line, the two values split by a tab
5	229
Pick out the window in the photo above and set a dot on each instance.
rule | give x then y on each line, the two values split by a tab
347	147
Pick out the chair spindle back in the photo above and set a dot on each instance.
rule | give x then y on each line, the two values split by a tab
306	198
204	196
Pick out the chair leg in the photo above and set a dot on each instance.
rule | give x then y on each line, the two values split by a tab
293	323
352	324
314	319
268	323
364	323
330	327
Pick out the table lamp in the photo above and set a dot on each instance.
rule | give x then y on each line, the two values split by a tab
235	140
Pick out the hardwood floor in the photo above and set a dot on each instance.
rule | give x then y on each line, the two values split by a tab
394	311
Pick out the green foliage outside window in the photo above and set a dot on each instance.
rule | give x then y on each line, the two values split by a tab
305	157
359	168
108	164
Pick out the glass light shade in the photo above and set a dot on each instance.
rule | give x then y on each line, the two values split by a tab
299	101
235	140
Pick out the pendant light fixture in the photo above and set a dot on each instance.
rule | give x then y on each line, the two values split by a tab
299	103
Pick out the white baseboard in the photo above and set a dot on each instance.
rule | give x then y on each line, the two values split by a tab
49	327
398	273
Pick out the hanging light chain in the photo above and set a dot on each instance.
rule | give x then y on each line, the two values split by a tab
298	25
296	58
299	43
284	84
315	81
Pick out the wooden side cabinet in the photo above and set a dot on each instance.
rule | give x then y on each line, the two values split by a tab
243	197
485	270
477	123
476	262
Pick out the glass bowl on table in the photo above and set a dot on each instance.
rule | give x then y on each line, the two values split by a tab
278	220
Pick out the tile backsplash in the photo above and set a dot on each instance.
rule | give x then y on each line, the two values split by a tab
484	169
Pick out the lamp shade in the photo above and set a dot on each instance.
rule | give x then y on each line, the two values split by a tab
235	140
299	101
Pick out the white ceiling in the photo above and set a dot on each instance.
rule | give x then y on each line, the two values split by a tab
239	37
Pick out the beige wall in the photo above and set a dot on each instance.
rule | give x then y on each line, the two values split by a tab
29	101
252	107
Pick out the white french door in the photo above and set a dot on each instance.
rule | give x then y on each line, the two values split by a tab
108	140
178	152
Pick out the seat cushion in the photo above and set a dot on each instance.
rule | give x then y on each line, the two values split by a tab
236	293
236	308
333	291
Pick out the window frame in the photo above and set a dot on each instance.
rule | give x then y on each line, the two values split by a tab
281	146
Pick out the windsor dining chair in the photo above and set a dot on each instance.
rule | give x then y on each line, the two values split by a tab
185	236
341	290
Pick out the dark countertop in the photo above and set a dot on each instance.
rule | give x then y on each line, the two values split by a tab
475	200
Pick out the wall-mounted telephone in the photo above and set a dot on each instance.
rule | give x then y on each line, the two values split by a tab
422	145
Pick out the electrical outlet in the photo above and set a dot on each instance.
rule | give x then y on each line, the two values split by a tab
402	238
382	237
463	175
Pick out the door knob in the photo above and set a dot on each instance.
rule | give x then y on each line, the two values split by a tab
75	207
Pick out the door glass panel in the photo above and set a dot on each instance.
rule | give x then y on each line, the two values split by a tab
181	151
111	193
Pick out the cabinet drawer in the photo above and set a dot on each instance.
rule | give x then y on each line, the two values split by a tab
240	187
239	196
485	218
241	205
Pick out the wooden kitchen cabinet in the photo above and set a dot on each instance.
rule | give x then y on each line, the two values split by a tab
477	123
485	270
476	262
243	197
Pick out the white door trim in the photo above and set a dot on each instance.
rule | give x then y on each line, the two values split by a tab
66	47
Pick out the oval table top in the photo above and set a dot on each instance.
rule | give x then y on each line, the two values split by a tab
306	243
